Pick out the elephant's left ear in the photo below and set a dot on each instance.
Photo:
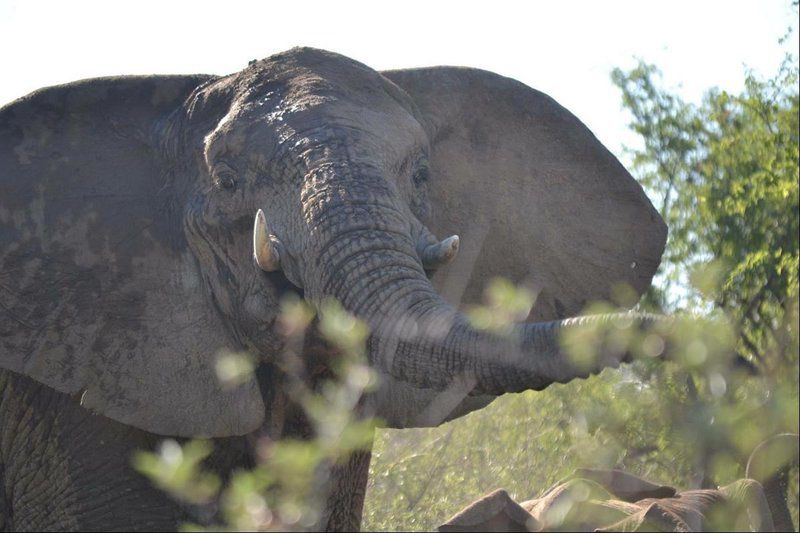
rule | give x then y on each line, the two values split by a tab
533	194
99	294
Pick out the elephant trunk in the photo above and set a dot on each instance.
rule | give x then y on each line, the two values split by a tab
366	258
770	464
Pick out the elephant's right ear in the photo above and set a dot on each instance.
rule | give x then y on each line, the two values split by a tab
533	194
99	295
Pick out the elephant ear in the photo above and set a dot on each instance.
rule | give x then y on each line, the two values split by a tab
496	511
99	295
533	194
623	485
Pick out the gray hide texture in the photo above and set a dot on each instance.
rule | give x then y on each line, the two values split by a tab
99	295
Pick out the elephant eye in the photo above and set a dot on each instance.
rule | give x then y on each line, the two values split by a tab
225	179
421	175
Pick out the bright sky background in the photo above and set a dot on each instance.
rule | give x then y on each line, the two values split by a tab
564	48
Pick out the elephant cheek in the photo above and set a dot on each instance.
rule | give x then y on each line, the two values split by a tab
255	324
257	307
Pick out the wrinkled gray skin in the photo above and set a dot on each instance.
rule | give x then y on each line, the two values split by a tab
126	261
613	500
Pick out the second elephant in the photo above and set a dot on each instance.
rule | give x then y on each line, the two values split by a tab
613	500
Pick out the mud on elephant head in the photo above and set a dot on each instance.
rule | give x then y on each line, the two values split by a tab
131	209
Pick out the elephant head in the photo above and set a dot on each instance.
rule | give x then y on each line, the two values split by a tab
131	210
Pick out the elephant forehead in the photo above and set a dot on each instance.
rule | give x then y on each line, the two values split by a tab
254	132
292	96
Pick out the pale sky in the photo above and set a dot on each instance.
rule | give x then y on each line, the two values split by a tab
564	48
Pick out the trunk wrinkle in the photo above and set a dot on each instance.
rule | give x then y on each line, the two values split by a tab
368	298
344	269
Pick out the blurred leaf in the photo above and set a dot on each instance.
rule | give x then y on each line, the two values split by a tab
234	368
342	329
506	304
176	469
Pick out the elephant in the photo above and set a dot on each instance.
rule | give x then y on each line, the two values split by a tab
149	222
614	500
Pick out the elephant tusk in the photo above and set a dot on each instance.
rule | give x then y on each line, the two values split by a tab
265	245
440	253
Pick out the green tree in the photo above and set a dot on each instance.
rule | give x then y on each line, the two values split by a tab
726	174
